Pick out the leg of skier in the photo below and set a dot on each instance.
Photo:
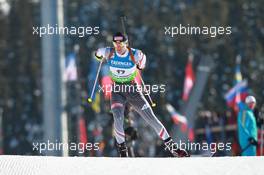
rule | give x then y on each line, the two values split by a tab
118	107
141	105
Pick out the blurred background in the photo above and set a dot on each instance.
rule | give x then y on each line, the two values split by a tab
213	66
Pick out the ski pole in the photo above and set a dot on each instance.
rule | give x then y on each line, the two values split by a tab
148	93
123	19
95	82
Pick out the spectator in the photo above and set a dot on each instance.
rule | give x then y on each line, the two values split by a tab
247	127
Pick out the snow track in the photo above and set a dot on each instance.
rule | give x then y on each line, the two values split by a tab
42	165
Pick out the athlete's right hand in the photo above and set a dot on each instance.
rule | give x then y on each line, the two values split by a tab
99	54
99	58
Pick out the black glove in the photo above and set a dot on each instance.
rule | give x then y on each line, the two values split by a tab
99	58
139	67
252	141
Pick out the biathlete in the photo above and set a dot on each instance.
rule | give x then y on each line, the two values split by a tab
123	63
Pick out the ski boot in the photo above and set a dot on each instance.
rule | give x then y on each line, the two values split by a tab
174	150
122	149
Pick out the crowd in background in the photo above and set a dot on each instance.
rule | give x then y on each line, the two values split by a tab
20	64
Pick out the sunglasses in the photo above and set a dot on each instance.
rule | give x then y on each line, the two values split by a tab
121	43
118	41
118	38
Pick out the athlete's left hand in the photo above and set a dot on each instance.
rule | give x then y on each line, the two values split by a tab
138	67
252	141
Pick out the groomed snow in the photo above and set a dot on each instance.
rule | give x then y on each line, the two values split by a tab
42	165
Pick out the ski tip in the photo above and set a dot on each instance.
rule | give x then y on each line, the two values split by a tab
153	105
89	100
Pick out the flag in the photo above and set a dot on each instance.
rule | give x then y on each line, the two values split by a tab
236	94
240	89
177	118
70	73
96	103
191	134
238	79
189	79
82	132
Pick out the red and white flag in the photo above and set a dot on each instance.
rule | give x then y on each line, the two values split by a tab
177	118
189	79
82	132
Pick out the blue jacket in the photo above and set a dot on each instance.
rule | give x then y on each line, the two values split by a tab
247	128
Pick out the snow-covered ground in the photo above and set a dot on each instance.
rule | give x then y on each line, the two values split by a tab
28	165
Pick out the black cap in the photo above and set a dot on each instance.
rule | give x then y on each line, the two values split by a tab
119	37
